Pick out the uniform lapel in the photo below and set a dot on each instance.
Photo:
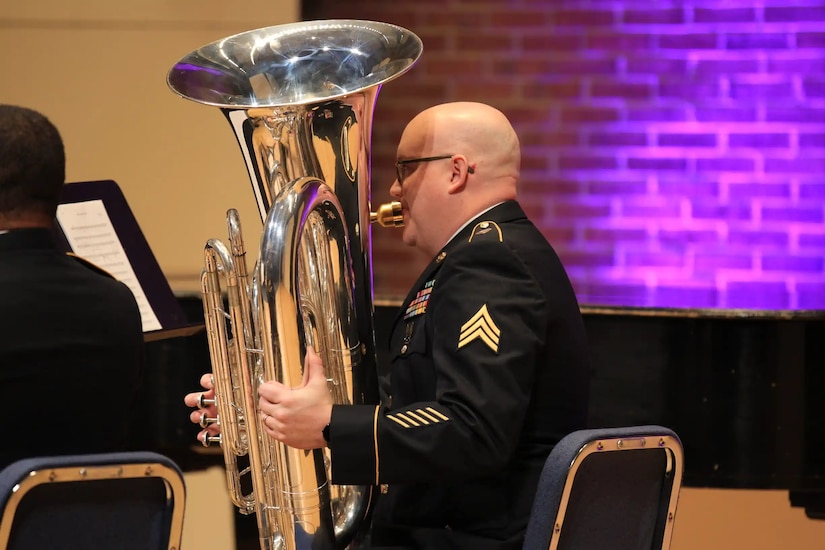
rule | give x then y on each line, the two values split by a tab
425	276
505	212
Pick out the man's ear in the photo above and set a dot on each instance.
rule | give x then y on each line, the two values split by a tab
458	178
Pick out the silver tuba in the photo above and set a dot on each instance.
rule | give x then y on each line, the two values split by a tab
300	100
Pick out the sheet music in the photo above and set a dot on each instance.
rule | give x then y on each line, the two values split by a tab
90	233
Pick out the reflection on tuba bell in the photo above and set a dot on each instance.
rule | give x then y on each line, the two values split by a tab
300	100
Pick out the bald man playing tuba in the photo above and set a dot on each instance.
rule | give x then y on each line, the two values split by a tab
489	365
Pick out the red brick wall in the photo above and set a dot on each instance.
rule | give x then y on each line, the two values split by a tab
667	145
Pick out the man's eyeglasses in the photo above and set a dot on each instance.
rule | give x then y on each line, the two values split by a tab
401	171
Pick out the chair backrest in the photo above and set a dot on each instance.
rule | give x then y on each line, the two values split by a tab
128	501
611	488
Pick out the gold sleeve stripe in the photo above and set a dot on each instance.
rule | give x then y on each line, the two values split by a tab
418	418
375	440
397	421
407	418
427	415
438	414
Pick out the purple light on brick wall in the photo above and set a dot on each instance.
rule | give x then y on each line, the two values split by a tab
694	157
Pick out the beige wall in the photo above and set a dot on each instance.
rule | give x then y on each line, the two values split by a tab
208	517
98	69
713	519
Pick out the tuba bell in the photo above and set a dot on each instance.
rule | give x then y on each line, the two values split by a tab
300	99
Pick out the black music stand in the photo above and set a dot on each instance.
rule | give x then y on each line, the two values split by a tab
170	316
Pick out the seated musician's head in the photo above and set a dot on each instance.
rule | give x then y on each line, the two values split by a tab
32	168
454	160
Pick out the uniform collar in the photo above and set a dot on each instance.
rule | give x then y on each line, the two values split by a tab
34	238
468	222
506	211
503	212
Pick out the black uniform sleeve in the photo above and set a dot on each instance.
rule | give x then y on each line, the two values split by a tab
484	325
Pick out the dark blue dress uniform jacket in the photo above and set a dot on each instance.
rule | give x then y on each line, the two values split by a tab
71	351
489	370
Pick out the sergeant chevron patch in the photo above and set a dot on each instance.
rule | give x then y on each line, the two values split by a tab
480	326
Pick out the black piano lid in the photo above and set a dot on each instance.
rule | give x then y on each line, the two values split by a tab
692	301
742	386
596	306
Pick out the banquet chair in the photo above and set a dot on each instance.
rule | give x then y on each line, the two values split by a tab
123	501
611	488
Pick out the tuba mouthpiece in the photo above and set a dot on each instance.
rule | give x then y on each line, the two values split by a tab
389	215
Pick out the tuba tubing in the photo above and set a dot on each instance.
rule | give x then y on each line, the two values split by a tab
223	352
234	366
306	293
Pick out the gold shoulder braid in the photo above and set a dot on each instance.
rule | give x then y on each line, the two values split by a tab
94	267
484	227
